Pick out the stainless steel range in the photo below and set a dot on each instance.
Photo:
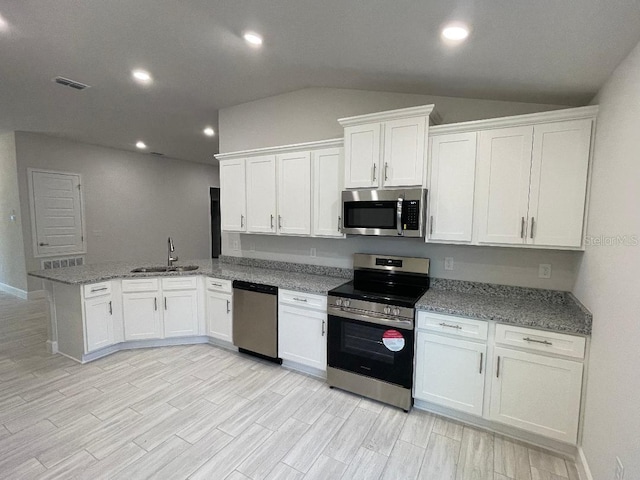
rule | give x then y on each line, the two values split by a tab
370	341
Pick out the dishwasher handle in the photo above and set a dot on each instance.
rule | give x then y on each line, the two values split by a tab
255	287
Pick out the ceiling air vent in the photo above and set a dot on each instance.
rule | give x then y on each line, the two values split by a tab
157	154
70	83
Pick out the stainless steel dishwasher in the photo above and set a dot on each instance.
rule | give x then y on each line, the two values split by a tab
255	319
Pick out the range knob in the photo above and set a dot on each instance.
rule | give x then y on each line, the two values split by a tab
338	301
396	311
387	310
346	303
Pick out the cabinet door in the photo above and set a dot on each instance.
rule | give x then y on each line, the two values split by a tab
180	313
302	336
450	372
219	316
536	393
98	323
294	193
451	187
232	195
328	172
141	316
362	156
261	194
504	167
403	160
559	183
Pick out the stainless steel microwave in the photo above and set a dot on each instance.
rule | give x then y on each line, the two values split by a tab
391	213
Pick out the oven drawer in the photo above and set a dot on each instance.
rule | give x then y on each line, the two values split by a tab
455	326
540	340
302	300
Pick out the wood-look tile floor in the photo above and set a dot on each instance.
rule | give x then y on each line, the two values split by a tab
202	412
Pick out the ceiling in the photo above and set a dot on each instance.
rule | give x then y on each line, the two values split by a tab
544	51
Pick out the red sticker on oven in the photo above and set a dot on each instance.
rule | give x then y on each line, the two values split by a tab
393	340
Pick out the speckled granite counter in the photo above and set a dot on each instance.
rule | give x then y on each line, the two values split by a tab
527	307
304	278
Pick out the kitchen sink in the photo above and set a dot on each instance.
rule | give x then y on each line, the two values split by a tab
176	268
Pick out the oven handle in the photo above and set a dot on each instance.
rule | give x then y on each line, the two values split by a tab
345	313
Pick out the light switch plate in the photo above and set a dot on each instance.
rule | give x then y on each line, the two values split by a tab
448	263
544	270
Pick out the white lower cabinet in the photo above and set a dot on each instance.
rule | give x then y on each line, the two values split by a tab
450	372
536	393
142	319
219	309
180	313
302	328
98	322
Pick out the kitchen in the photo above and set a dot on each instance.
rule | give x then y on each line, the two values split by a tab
269	123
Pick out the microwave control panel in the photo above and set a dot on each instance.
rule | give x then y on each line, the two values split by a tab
411	215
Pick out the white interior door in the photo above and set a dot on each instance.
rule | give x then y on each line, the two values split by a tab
403	160
261	194
233	195
504	169
362	156
451	187
57	213
328	173
294	193
559	183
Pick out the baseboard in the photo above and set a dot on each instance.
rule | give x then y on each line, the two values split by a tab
52	346
38	295
16	292
583	466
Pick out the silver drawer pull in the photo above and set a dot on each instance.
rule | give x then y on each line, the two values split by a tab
457	327
93	290
228	306
216	284
300	299
42	244
543	342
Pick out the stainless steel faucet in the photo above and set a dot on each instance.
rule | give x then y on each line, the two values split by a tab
171	249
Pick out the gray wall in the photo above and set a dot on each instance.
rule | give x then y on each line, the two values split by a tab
607	281
12	263
311	114
133	201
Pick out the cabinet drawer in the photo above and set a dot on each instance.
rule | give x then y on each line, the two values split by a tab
140	285
304	300
456	326
540	341
219	285
97	289
179	283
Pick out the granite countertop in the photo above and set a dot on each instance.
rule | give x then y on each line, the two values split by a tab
527	307
311	279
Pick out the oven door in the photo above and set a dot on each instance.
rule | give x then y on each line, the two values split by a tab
378	351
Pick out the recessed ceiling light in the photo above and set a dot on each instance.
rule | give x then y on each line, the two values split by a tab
142	76
141	145
455	32
209	132
253	38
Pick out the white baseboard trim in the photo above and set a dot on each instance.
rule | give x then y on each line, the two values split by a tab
16	292
38	295
583	467
52	346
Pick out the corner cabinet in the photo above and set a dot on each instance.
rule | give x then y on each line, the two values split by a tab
386	149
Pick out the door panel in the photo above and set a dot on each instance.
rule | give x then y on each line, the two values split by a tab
362	156
98	323
219	315
141	316
180	313
232	196
302	336
294	193
328	173
261	194
404	142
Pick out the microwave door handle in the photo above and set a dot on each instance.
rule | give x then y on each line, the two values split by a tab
399	216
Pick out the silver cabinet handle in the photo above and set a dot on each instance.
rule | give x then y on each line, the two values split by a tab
217	285
386	171
498	368
522	228
228	306
279	221
374	172
300	299
42	244
431	225
241	221
93	290
339	218
155	303
271	222
481	358
457	327
323	330
532	224
165	303
543	342
110	308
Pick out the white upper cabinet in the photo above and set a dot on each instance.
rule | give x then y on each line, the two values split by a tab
328	171
386	149
559	183
404	148
362	153
504	168
233	211
294	193
261	194
451	187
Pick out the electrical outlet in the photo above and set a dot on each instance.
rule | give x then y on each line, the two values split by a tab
448	263
236	244
313	252
544	270
619	475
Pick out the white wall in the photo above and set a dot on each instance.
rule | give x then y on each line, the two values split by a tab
311	114
608	280
133	201
12	263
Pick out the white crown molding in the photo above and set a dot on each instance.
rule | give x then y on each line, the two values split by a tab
420	111
578	113
333	142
